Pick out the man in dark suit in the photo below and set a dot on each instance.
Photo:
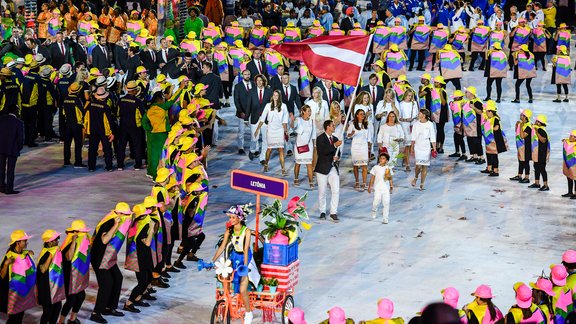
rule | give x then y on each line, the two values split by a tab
257	100
121	53
18	42
275	82
34	49
100	55
241	100
12	134
197	66
376	91
329	92
59	51
168	60
327	170
149	58
257	65
132	63
80	50
214	92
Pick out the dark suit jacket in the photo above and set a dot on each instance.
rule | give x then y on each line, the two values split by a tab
275	83
251	66
347	24
12	135
79	54
59	59
335	92
293	101
326	153
215	91
21	49
99	60
44	51
170	68
150	64
131	64
255	108
242	98
379	94
120	58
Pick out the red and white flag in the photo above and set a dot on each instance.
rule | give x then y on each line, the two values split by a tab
336	58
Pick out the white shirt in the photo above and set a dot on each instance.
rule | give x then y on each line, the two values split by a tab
320	113
408	110
245	22
388	134
379	172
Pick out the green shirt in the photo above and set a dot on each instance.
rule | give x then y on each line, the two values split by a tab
195	25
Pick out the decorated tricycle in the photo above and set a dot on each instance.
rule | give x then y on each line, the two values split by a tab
236	269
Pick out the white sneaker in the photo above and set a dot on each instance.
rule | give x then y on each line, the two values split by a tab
373	215
385	221
248	318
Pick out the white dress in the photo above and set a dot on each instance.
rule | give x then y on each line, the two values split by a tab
320	113
387	137
359	147
423	134
305	134
408	110
275	129
367	110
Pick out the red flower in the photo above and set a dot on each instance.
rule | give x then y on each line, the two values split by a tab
295	204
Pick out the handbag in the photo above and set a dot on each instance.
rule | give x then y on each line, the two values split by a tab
306	147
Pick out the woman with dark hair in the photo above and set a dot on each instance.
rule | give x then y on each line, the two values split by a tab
481	309
542	296
525	310
361	135
391	137
494	138
17	296
423	137
275	115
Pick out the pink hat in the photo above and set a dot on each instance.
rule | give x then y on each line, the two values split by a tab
336	315
385	308
451	296
558	274
523	295
296	316
483	291
544	285
569	256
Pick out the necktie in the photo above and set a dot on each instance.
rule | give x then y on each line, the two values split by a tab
16	42
286	89
260	96
104	51
330	139
35	51
165	55
84	49
153	55
259	67
247	86
329	96
62	48
373	94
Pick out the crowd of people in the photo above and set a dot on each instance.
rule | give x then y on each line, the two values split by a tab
549	299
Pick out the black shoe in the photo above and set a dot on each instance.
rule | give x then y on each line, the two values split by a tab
573	197
192	258
2	190
263	162
568	195
140	303
148	297
515	178
515	101
525	180
462	157
32	145
165	274
556	100
334	218
471	70
109	169
530	100
472	159
534	186
130	308
498	100
544	188
257	153
12	192
151	290
76	321
67	164
113	312
96	317
172	269
241	152
250	156
289	153
487	98
79	165
486	171
454	155
322	215
440	151
159	283
480	161
566	100
494	174
179	265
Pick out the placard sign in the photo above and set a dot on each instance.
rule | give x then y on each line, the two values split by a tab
259	184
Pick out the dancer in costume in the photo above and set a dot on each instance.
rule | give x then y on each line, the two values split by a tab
562	303
482	310
456	109
524	311
561	68
494	138
239	236
385	313
540	152
524	146
569	165
50	278
471	119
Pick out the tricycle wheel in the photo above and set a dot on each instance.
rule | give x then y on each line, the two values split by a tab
219	312
286	307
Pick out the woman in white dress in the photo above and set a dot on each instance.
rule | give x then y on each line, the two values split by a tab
363	102
275	114
336	117
391	137
305	139
423	137
320	113
361	135
408	108
385	106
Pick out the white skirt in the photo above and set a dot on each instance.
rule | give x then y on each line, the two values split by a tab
407	133
359	154
422	155
275	138
304	158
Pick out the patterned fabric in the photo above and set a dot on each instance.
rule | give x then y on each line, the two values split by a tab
80	263
21	282
55	274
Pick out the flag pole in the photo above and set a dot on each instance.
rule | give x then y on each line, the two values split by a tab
341	137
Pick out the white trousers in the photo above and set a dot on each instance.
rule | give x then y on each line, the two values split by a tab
324	180
254	141
215	132
381	197
241	131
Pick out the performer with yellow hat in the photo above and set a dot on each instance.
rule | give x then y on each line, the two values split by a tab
540	152
561	71
524	146
17	294
569	165
494	138
50	278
